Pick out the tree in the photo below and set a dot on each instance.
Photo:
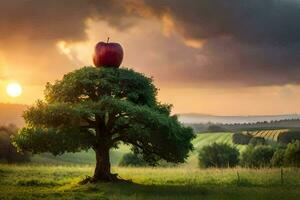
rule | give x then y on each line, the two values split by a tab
257	141
292	154
278	158
257	156
218	155
288	137
99	108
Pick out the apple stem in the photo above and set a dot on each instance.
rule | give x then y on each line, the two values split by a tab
107	40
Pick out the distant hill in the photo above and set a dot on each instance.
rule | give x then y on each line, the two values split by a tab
11	113
202	118
292	124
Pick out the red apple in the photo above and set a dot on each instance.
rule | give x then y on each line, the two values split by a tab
108	54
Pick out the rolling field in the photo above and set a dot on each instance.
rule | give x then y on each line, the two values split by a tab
61	182
208	138
267	134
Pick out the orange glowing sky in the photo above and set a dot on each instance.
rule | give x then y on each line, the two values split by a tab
197	71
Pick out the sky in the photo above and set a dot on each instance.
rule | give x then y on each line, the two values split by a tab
237	57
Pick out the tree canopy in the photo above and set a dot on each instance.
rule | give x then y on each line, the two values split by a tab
99	108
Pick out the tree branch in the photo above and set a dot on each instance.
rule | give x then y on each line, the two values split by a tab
87	126
118	138
91	122
112	120
144	148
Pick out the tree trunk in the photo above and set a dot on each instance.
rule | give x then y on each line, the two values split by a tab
102	170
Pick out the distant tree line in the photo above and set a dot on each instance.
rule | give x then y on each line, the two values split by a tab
8	152
218	127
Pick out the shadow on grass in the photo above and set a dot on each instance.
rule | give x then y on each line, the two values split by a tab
35	182
191	192
31	189
130	189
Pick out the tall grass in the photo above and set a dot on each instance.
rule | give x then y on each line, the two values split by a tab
61	182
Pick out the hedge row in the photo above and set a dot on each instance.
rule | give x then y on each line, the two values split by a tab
224	155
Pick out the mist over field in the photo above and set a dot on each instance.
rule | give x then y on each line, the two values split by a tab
202	118
12	113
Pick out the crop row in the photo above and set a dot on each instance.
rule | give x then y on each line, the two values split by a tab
267	134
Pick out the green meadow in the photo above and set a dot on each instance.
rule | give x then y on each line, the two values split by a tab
62	182
49	177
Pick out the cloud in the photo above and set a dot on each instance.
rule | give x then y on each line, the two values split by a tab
273	22
33	34
189	43
52	20
249	43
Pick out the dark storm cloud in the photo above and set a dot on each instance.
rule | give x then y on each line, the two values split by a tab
253	21
249	42
52	20
30	30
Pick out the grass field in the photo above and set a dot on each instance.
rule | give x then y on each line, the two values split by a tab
50	177
61	182
208	138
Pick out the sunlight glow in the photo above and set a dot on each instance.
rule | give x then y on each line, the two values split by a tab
14	89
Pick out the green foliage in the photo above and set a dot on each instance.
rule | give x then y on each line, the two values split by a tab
240	138
91	83
257	156
8	152
99	108
278	158
288	137
255	141
218	155
131	159
292	154
57	141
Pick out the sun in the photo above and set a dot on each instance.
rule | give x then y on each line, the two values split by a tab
14	89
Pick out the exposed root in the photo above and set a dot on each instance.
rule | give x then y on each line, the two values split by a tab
112	178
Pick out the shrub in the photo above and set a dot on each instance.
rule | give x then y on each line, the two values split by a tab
218	155
288	137
131	159
257	156
278	158
255	141
240	138
292	154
